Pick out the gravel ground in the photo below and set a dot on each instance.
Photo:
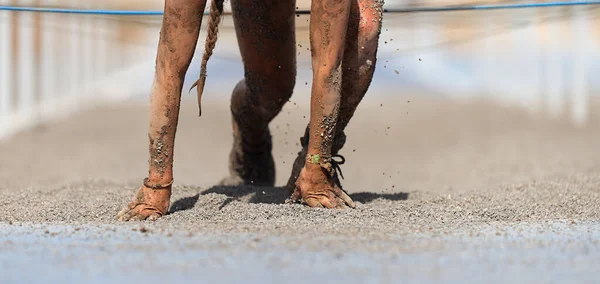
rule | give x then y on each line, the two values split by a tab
461	192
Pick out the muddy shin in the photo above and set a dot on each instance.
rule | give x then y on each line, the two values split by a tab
216	13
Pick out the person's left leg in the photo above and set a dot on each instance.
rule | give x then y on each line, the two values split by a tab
358	67
328	25
178	38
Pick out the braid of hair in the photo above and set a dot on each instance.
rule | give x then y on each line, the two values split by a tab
216	13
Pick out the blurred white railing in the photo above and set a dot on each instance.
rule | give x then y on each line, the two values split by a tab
54	64
544	59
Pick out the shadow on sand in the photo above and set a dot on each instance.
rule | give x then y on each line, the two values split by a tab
269	195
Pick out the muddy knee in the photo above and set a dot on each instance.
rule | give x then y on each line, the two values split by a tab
371	15
262	98
368	39
360	56
363	35
268	49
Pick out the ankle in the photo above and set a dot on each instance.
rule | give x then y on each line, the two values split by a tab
158	182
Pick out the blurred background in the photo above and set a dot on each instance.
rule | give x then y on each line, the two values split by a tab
540	58
496	95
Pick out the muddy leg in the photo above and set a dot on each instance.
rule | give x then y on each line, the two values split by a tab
359	61
360	56
316	184
266	36
178	37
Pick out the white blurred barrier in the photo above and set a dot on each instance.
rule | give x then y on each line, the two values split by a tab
541	59
544	59
52	65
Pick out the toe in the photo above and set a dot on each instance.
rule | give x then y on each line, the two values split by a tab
138	217
344	197
154	217
126	216
327	203
340	203
122	212
313	202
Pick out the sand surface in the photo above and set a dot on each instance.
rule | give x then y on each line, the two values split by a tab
458	192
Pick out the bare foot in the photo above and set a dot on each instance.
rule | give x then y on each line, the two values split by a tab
338	144
316	187
151	202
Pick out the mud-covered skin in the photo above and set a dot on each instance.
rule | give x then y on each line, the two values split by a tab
362	37
149	203
328	188
178	38
358	65
338	144
265	32
328	25
250	162
344	35
317	187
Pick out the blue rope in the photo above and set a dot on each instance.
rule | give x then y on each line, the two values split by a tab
400	10
493	7
78	11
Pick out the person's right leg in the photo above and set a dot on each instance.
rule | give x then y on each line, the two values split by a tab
266	37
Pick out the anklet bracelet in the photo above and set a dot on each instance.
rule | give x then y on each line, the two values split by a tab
156	185
317	159
327	163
